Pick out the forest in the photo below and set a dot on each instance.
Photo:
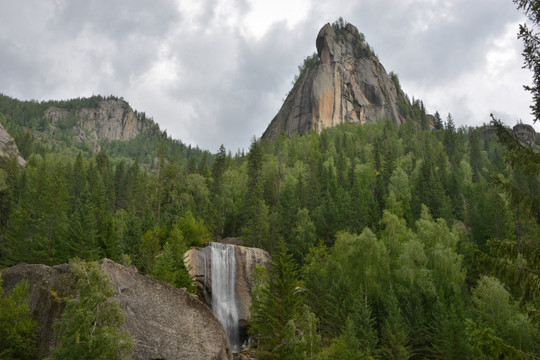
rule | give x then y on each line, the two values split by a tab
418	241
388	242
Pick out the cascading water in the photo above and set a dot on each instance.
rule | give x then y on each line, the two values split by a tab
223	280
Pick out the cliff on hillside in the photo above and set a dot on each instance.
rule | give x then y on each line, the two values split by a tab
164	322
111	119
347	83
8	148
526	134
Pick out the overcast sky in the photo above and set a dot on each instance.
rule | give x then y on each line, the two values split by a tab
215	72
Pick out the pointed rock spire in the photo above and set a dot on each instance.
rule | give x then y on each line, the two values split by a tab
347	83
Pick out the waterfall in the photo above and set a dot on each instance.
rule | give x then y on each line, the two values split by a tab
223	282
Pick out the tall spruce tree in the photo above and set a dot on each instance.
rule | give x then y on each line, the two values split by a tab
275	303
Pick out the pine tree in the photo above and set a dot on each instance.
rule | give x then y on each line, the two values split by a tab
531	41
437	122
303	235
169	266
90	324
255	230
394	337
218	170
81	233
17	327
275	303
450	137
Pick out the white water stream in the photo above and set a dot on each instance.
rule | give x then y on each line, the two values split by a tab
224	302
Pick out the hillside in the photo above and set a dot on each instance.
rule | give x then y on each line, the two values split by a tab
88	125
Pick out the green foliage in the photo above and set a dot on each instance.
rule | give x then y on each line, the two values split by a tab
275	310
343	31
495	310
303	235
531	42
194	231
169	265
17	327
90	324
150	248
308	63
397	213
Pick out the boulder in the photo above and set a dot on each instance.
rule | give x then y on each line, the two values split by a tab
347	84
164	322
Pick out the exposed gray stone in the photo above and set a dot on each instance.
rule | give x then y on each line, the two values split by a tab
164	322
526	134
8	148
349	84
110	120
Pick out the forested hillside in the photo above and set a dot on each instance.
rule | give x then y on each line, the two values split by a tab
411	241
383	224
35	132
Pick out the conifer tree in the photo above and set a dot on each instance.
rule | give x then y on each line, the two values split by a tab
90	324
81	233
17	327
275	303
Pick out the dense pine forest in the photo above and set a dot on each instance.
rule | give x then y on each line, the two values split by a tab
386	235
418	241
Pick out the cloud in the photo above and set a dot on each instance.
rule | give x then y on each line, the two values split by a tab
216	71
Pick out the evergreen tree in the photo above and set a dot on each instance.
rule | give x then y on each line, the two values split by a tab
17	327
437	121
450	137
218	170
90	324
36	225
394	338
531	41
81	233
169	266
303	235
255	230
275	303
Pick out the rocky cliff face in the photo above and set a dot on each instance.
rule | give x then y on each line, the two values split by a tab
110	120
8	148
164	322
526	134
347	84
199	263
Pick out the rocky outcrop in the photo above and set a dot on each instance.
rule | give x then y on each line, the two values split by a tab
526	134
110	120
8	148
164	322
198	260
346	84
